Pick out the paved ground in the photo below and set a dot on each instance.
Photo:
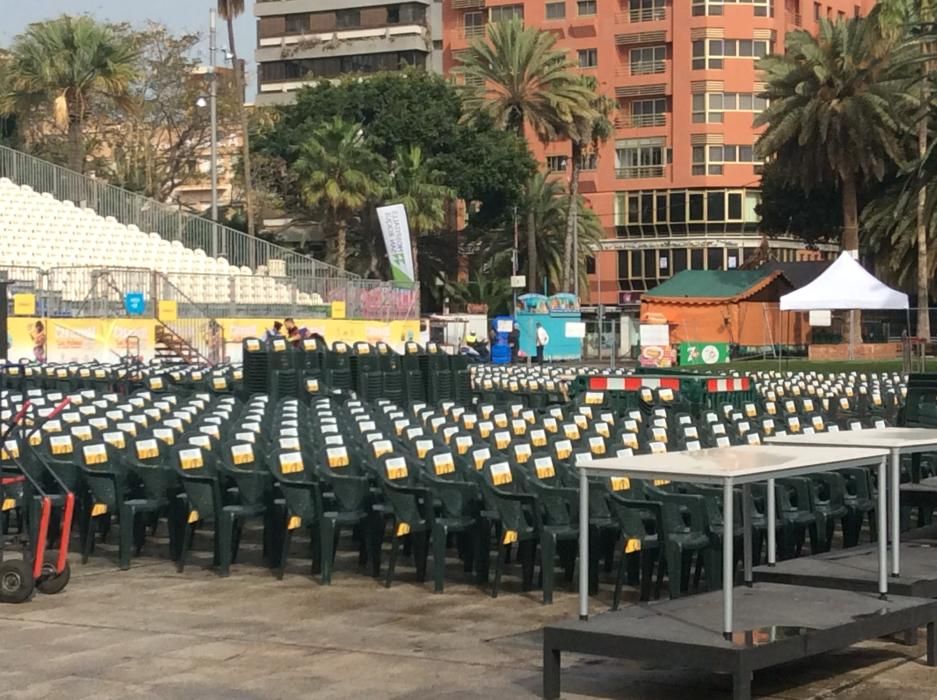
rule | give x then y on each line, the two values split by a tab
152	633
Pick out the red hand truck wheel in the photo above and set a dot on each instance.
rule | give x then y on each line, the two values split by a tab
51	582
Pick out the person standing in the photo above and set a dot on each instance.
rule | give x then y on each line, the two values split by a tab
514	342
275	332
542	339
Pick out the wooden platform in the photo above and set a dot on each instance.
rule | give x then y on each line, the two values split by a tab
774	624
856	569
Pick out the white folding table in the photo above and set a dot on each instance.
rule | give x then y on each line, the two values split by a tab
729	467
897	441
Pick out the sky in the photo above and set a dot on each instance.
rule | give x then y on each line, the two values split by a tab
178	15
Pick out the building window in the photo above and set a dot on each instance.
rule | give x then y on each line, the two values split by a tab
297	23
505	13
297	70
590	265
709	53
639	158
412	13
473	24
709	160
708	108
589	161
345	19
668	213
585	8
817	11
649	112
647	60
646	10
556	164
393	14
762	8
588	58
556	10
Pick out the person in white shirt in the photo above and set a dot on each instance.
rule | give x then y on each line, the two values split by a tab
542	339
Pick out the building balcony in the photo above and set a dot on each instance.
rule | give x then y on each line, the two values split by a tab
641	121
647	14
646	68
640	172
472	32
412	37
642	38
794	19
467	4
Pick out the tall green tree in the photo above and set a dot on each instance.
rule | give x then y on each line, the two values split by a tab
840	103
898	18
61	67
520	80
420	187
338	175
485	165
230	10
590	129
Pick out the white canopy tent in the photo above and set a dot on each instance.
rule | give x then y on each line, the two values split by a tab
845	285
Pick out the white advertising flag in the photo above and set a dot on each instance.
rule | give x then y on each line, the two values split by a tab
396	232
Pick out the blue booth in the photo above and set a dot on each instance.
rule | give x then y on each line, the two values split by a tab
500	352
553	313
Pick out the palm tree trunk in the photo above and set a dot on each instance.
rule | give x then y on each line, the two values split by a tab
340	247
531	252
923	278
245	129
76	144
414	250
571	214
850	215
851	244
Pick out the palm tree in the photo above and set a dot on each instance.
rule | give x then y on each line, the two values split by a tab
521	81
590	129
338	174
229	10
419	187
838	105
896	17
546	206
64	65
494	292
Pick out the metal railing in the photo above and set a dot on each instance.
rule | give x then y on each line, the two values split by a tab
642	14
88	292
149	215
639	171
285	280
636	121
472	31
648	67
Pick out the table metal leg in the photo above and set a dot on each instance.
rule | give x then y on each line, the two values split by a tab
728	557
882	529
747	533
895	495
583	545
772	525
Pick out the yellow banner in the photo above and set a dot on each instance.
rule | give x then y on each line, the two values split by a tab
167	310
24	304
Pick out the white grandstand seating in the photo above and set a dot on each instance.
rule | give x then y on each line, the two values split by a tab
40	231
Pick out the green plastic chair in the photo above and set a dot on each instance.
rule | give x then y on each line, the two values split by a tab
410	507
